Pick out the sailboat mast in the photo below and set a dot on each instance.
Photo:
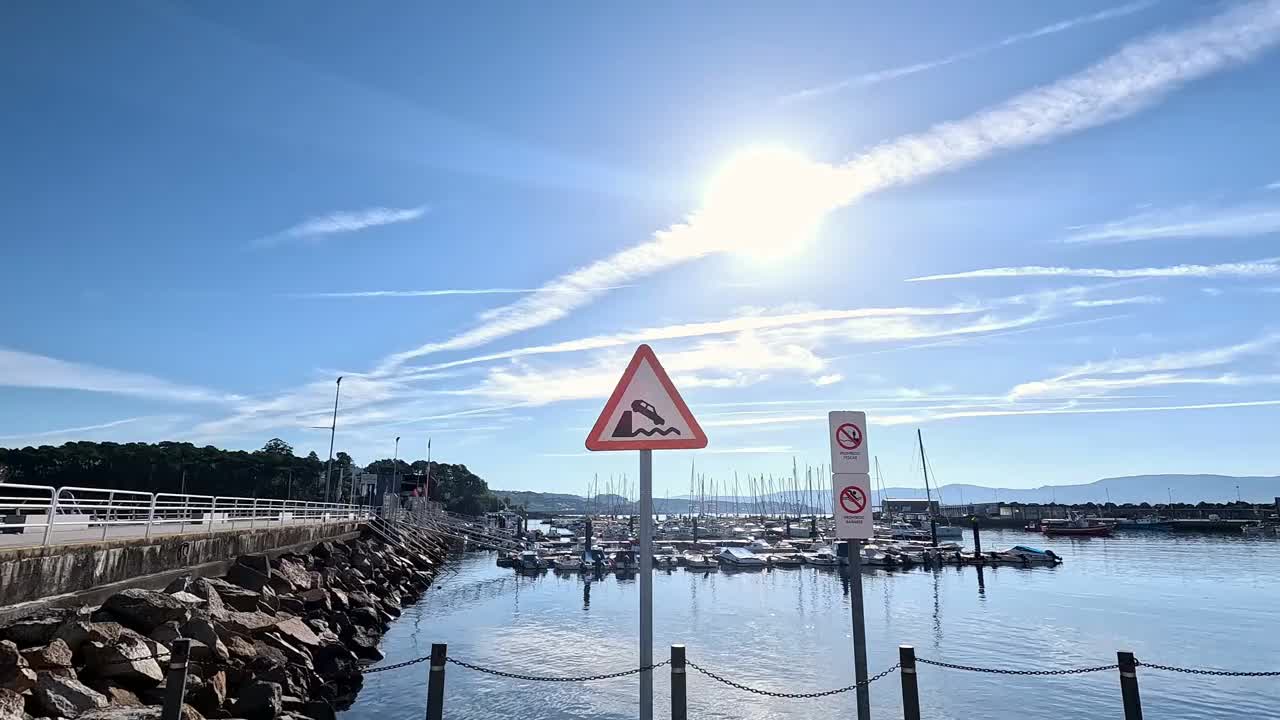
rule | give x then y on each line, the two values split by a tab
924	465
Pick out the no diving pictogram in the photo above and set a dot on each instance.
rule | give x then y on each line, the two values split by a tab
849	436
853	499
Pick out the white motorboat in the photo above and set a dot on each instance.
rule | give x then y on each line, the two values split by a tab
698	561
875	556
624	561
822	557
529	560
1027	555
739	557
950	532
759	545
785	560
568	564
1260	530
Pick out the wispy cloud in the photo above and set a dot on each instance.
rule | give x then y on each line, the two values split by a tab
1248	269
345	221
1183	222
1113	302
879	76
1273	186
1140	74
22	369
830	379
915	419
416	293
72	430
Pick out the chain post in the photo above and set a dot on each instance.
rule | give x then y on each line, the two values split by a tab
176	683
679	705
435	681
910	691
1129	685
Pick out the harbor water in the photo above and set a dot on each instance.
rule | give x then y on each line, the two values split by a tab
1186	600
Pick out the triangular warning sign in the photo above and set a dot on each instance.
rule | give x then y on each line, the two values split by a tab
645	412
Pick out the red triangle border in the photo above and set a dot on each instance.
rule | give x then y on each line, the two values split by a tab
698	439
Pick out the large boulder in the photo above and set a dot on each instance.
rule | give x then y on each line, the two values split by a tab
295	574
117	694
131	660
54	656
145	610
316	599
266	655
204	631
59	696
203	588
11	705
231	596
248	623
268	600
297	631
293	654
251	572
78	632
212	695
259	700
34	629
167	633
15	674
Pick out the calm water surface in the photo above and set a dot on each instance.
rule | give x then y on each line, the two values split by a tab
1204	601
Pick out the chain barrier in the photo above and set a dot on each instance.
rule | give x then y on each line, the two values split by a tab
1216	673
798	696
396	666
1005	671
543	678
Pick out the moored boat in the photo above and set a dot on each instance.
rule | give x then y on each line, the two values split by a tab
698	561
739	557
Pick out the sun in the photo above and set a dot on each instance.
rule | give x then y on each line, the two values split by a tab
767	202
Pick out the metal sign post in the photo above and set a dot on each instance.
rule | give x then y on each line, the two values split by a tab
646	413
851	512
646	584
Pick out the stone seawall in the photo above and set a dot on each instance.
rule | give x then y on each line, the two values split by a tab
42	573
277	637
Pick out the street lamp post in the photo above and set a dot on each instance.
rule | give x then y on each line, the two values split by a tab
333	430
395	466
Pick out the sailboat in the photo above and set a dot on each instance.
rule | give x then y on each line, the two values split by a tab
940	529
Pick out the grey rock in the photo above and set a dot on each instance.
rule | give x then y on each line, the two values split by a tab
61	696
295	573
293	654
297	631
239	646
131	661
259	700
233	596
117	694
204	631
146	610
292	605
57	654
259	563
247	623
252	572
212	695
268	600
15	674
11	705
77	632
166	633
203	588
182	584
268	655
35	629
366	616
188	599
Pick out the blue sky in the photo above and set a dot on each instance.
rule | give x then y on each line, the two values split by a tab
1043	233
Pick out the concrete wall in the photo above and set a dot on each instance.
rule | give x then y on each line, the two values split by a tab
70	574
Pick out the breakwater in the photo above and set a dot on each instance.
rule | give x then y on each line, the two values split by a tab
276	637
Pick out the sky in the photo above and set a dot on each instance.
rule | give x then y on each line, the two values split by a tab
1042	233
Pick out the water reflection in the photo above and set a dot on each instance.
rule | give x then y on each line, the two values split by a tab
1169	599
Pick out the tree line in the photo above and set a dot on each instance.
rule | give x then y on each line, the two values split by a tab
274	471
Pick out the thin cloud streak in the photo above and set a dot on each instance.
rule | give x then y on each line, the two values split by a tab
343	221
913	419
1137	76
1265	267
1186	222
1113	302
879	76
74	430
22	369
422	293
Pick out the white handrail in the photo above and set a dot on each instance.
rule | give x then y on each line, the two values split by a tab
84	514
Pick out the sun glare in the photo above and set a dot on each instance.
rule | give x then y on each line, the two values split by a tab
767	202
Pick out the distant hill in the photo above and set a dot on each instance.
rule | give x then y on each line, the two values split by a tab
1153	489
1129	489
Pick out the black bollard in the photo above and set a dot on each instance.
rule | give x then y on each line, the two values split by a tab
910	693
1129	685
435	681
933	530
695	529
679	706
176	681
977	540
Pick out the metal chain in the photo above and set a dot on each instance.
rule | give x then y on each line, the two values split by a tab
541	678
770	693
396	666
1004	671
1219	673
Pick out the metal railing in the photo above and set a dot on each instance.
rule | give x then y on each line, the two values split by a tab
35	515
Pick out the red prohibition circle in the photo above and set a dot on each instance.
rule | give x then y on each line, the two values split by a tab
849	436
853	499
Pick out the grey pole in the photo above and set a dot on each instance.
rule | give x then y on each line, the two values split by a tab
859	630
435	681
333	430
679	707
646	583
910	691
1129	685
176	680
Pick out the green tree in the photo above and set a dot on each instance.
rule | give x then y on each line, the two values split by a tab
276	446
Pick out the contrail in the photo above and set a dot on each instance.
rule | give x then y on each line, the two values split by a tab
879	76
1254	268
1135	77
